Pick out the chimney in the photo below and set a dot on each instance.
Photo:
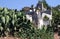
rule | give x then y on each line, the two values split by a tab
42	6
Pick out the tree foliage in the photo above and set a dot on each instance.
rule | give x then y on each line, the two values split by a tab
13	22
56	17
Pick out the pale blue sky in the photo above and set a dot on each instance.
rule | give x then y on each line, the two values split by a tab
19	4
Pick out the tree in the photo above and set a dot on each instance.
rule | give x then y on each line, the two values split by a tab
15	23
56	17
45	4
45	18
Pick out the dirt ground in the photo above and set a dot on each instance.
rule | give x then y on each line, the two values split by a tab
9	38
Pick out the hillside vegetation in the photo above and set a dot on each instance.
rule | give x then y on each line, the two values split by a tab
14	23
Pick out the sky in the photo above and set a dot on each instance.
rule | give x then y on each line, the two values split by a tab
19	4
